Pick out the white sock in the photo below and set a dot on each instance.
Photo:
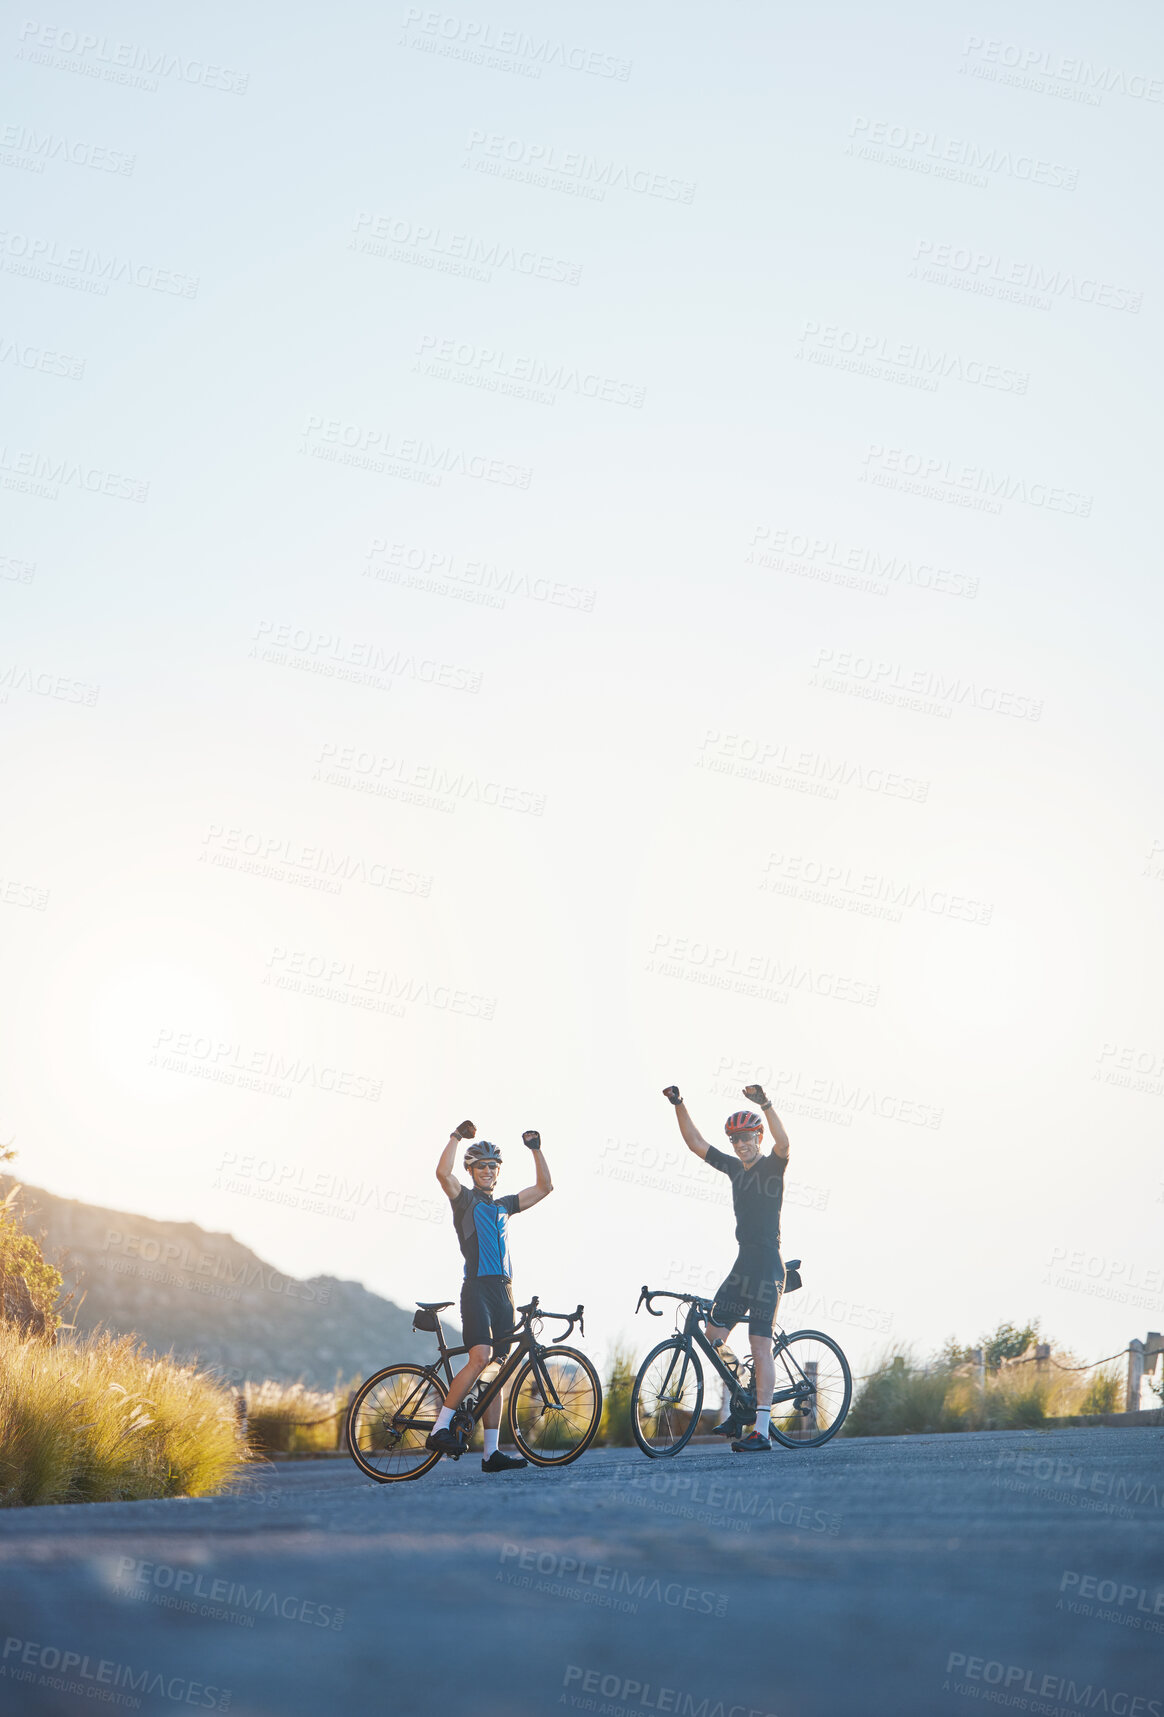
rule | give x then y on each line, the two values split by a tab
444	1419
491	1441
763	1414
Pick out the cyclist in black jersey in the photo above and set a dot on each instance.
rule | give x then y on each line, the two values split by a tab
753	1285
487	1315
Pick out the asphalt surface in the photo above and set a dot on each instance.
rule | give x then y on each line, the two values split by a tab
925	1575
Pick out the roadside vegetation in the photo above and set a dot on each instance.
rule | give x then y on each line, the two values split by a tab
96	1419
1013	1389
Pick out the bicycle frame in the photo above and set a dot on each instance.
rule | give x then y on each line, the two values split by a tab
525	1344
694	1337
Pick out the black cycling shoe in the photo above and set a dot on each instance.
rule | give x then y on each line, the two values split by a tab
499	1463
753	1445
731	1427
444	1442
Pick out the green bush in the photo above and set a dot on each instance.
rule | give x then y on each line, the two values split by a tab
30	1287
614	1430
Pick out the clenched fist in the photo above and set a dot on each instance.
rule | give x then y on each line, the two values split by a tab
466	1130
755	1094
671	1093
532	1140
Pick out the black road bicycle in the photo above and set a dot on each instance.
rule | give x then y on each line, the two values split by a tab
553	1410
814	1385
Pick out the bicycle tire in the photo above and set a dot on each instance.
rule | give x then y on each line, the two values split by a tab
678	1345
830	1430
426	1459
539	1454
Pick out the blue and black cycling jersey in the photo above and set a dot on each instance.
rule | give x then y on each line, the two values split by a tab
481	1222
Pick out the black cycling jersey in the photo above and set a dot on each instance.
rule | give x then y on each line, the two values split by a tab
480	1221
757	1194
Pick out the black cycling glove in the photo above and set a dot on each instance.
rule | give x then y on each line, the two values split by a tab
466	1130
755	1094
671	1093
533	1140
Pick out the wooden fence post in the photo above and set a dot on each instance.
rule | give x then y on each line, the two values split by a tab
1135	1374
978	1359
341	1425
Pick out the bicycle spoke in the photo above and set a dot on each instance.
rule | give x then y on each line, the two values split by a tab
813	1389
668	1397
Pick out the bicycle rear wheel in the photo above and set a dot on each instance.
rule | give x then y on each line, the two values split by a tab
813	1375
388	1421
555	1406
667	1398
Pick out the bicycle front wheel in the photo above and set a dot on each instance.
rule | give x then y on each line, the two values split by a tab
388	1421
667	1398
555	1405
813	1377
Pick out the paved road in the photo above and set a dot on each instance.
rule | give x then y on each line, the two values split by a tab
925	1575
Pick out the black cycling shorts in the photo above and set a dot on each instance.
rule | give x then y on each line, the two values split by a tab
751	1290
487	1313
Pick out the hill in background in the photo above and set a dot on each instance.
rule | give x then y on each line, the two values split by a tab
208	1297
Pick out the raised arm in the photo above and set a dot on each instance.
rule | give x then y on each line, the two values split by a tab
780	1144
692	1137
543	1186
444	1172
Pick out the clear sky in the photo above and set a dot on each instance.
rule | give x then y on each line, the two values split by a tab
552	551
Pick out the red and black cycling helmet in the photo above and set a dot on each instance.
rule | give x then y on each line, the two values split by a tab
743	1121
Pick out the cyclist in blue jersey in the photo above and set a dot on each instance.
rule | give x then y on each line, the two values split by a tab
487	1315
753	1286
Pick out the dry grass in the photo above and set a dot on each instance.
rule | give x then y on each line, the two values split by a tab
902	1397
290	1419
100	1420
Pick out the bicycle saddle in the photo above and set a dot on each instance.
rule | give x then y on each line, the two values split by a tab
792	1264
433	1305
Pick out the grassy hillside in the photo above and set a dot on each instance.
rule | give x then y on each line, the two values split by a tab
213	1300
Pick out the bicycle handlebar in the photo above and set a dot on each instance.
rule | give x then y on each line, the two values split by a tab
649	1294
533	1310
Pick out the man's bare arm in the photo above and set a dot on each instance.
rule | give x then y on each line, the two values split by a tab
692	1137
444	1172
780	1144
543	1186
